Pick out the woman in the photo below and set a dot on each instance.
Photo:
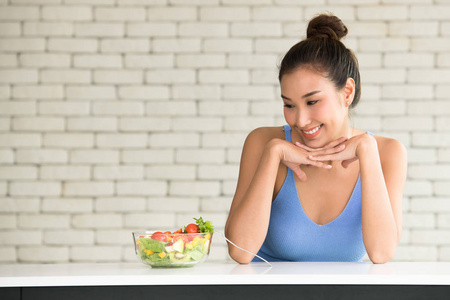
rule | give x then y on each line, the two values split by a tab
317	189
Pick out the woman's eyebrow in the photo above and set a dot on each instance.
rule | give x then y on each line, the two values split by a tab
304	96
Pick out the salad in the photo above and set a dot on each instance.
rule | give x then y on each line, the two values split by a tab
182	248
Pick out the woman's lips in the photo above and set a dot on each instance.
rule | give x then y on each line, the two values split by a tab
312	133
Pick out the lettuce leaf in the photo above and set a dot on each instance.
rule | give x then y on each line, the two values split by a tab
154	245
204	226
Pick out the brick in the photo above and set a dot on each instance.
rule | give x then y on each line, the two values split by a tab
118	108
414	29
38	92
445	28
152	29
422	156
345	12
6	61
369	60
118	77
200	156
429	171
10	29
144	92
36	188
246	2
150	220
247	123
173	204
408	123
151	61
197	124
6	157
248	92
430	139
177	140
38	124
19	205
69	237
170	76
174	13
444	155
429	12
444	253
443	221
124	45
118	172
391	75
92	124
147	156
442	122
194	188
121	140
419	220
179	45
17	108
443	60
191	92
409	253
266	108
429	76
45	60
65	173
171	172
255	61
384	108
67	205
430	204
40	156
222	108
366	29
5	124
20	140
430	237
391	12
95	253
223	140
442	91
87	188
132	14
99	30
8	255
69	140
373	124
72	45
48	28
120	204
18	172
256	29
384	45
20	237
18	76
121	237
224	76
66	76
274	13
230	45
225	13
95	221
201	60
216	204
19	13
430	44
407	91
43	254
264	76
140	188
43	221
145	124
72	13
8	222
103	61
203	29
218	172
408	60
94	156
3	188
277	46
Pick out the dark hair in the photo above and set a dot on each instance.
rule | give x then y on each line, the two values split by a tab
323	52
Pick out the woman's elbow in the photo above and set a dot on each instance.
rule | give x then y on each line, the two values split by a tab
381	257
240	256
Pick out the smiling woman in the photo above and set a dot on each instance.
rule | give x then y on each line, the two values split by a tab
317	189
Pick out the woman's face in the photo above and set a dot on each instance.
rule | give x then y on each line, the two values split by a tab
314	108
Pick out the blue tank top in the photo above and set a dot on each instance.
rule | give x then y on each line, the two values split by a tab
293	236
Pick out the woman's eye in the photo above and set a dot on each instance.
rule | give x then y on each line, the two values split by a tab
288	106
312	102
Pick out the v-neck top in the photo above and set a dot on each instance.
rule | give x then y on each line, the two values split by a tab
293	236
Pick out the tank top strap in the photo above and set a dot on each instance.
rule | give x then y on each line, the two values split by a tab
370	133
287	132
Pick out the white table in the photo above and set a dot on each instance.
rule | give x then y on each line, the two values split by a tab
91	281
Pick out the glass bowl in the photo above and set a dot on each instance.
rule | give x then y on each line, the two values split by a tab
172	250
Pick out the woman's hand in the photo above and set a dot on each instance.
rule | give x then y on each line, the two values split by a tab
293	157
343	149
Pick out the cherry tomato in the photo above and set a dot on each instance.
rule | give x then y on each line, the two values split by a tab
159	236
169	235
180	236
192	228
179	231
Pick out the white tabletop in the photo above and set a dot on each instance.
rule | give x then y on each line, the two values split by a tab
226	273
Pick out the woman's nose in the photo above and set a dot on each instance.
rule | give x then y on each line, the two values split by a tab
303	119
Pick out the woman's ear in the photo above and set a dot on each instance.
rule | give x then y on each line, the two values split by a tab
349	91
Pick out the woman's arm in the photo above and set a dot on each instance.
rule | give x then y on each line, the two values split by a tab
383	175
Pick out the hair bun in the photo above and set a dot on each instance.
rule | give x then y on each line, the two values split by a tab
327	26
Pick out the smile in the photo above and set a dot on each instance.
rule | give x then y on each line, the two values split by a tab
314	130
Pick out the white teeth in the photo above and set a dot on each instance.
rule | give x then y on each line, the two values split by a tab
314	130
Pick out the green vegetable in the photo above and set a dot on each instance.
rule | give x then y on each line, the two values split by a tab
204	226
154	245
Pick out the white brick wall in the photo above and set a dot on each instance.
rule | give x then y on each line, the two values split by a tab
117	115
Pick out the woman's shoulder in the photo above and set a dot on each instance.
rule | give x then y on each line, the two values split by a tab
390	149
262	135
